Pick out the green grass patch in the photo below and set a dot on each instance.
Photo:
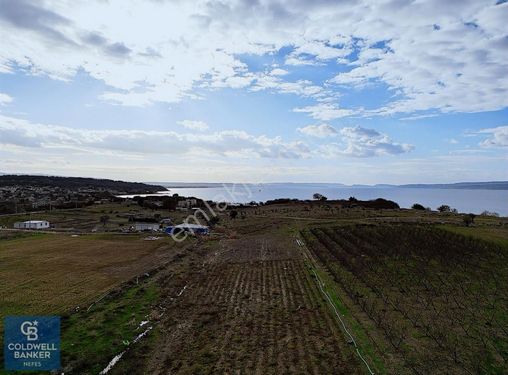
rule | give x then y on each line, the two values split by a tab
13	236
91	339
497	235
363	342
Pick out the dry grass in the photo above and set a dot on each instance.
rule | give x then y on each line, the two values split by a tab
49	274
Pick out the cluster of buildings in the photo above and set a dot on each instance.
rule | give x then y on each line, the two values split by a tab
16	199
166	226
19	199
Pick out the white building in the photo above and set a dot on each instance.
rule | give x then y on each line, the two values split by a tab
166	222
140	227
32	224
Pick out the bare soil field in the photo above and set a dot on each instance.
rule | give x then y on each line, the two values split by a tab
250	307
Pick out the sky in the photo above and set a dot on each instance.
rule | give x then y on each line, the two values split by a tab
257	91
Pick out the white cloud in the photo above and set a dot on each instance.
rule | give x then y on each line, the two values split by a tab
303	88
231	143
320	131
321	50
278	72
448	56
316	52
301	60
325	111
5	99
23	135
363	142
419	117
194	125
498	137
442	61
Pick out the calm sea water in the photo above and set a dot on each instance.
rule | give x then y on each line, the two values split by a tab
463	200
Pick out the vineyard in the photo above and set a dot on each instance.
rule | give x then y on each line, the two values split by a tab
438	298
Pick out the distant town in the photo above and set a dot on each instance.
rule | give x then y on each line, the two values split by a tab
25	193
41	203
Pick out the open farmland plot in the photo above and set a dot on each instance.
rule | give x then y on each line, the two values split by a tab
439	298
113	279
52	273
250	307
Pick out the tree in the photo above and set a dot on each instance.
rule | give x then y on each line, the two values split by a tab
169	203
417	206
319	197
139	200
468	219
352	199
233	214
444	208
104	219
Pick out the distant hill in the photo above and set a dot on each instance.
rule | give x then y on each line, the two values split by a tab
490	185
75	183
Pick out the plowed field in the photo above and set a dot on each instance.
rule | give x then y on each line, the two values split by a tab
252	308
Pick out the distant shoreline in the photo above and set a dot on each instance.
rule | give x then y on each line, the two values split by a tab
489	185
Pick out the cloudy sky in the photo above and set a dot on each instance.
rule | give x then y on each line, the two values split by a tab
255	90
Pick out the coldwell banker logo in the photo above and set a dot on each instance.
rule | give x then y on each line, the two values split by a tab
32	342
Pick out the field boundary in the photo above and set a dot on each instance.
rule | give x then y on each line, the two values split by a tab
301	244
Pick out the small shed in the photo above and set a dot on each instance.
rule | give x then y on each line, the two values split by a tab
165	222
32	224
141	227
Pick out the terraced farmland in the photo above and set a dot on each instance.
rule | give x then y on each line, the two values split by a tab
440	299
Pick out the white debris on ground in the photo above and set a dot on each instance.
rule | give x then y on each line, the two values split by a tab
181	291
142	323
112	363
151	238
141	335
117	357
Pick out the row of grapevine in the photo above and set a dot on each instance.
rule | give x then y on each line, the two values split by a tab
438	297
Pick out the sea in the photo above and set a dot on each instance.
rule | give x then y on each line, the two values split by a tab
464	200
